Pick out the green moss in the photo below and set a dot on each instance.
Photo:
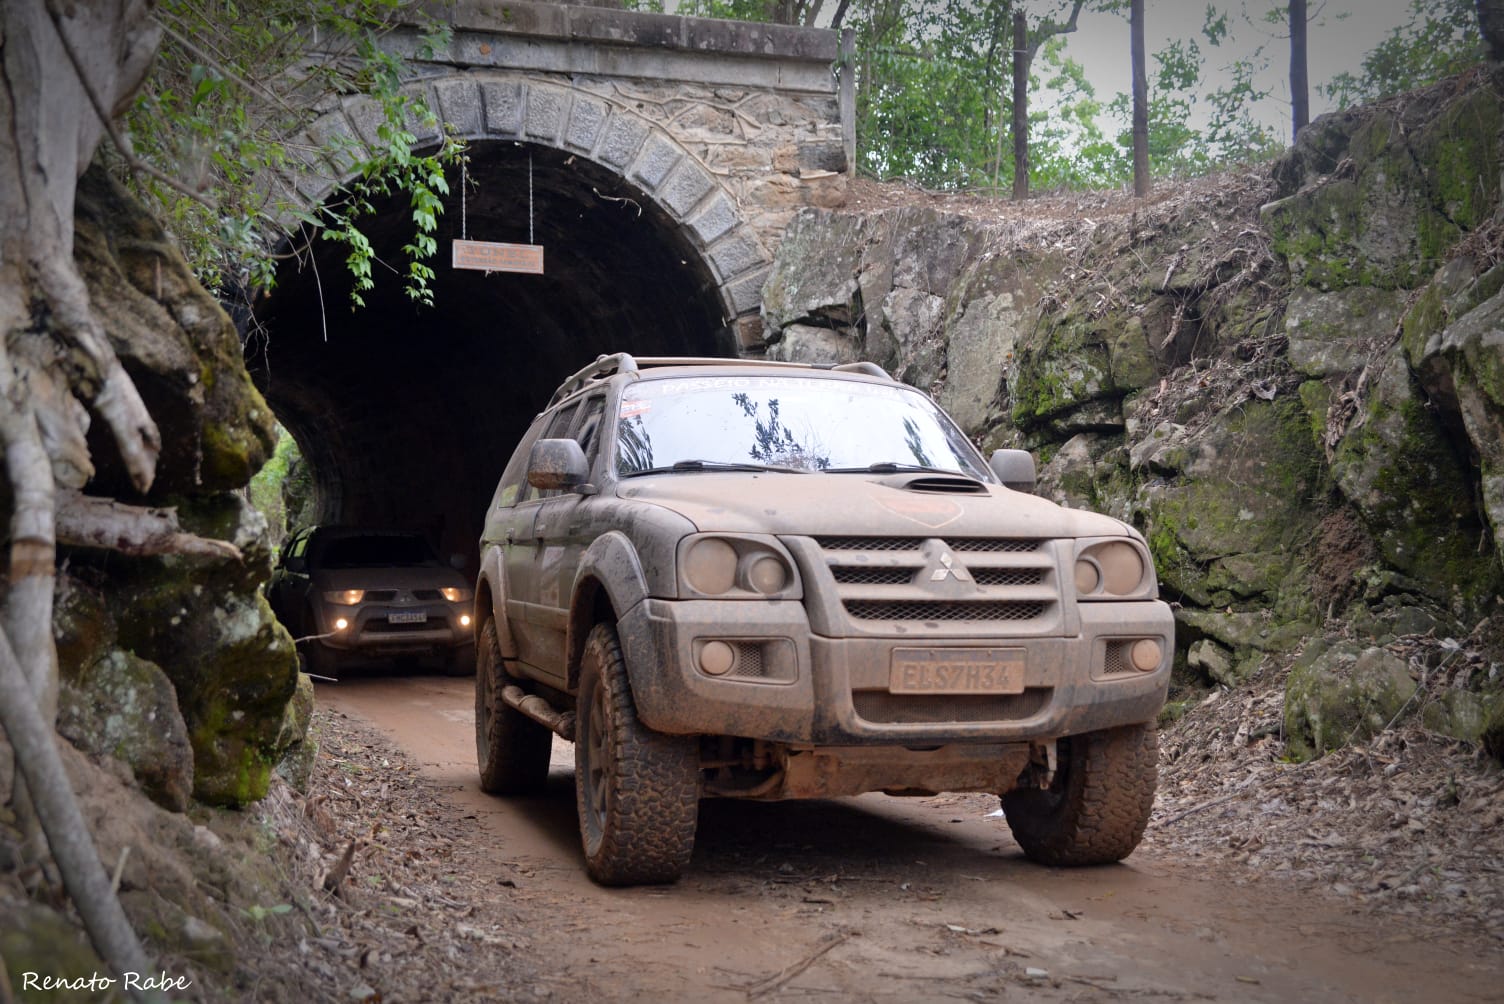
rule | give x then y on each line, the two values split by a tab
1342	694
1417	499
36	939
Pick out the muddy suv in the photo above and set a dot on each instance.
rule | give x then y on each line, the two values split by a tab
760	580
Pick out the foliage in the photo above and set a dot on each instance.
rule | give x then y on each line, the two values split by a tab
225	109
1440	39
283	490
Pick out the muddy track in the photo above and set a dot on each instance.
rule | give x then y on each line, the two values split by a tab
886	899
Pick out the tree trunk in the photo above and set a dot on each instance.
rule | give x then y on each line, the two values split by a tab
1140	101
1300	96
1491	25
1020	106
65	70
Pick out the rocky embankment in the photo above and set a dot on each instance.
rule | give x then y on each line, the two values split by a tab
1290	380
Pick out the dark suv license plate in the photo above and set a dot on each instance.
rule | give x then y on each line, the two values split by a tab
957	671
407	617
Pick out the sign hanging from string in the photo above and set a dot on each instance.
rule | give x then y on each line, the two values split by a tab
492	256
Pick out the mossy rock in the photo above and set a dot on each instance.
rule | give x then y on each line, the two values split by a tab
1341	694
1467	715
176	342
300	749
124	707
82	626
1414	492
1231	505
209	628
36	940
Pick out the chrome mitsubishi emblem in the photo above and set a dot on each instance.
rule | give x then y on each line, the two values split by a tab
950	568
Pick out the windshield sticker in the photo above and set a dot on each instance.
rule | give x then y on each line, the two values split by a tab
631	409
693	385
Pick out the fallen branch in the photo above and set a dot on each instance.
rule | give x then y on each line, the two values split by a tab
777	980
87	521
339	871
68	833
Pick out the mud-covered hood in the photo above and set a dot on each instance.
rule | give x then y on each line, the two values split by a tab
830	504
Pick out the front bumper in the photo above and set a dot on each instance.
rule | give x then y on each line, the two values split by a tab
799	687
385	629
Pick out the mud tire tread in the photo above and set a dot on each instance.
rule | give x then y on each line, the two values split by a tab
1097	811
647	828
511	749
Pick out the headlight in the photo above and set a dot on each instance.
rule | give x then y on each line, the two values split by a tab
710	566
1113	570
454	594
345	597
737	567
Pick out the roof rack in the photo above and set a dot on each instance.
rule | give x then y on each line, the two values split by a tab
604	366
624	362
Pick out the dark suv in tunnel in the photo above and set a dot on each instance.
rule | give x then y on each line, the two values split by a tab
743	579
353	594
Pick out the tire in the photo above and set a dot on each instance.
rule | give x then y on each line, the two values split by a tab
637	791
511	749
322	662
1096	810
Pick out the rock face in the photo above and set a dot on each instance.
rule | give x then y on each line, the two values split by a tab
175	664
1291	381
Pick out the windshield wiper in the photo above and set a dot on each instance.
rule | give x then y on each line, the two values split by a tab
681	466
894	467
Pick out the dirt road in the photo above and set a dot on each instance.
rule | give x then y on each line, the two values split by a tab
886	899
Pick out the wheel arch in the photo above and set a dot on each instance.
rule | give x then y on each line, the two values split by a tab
491	601
610	581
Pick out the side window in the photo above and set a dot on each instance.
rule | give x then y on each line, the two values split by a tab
298	545
514	478
558	428
588	434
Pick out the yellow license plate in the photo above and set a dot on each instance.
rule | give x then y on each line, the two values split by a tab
957	671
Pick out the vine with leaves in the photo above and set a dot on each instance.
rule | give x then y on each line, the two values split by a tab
221	127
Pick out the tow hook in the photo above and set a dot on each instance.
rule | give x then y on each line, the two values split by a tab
1042	759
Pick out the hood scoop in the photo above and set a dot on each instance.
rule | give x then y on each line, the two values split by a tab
936	484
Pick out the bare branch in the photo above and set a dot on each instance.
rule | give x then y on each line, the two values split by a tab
67	832
86	521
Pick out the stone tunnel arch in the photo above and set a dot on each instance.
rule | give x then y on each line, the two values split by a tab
406	414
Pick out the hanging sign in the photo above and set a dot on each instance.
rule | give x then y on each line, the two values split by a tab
489	256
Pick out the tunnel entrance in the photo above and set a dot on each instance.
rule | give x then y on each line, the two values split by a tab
407	414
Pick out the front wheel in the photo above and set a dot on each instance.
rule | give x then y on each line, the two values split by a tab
637	791
1096	810
510	747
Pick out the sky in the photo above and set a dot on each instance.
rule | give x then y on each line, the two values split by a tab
1335	43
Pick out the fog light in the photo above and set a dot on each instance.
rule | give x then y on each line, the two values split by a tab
1145	655
340	624
717	658
464	620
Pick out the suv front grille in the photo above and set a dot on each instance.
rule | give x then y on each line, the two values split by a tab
996	580
942	610
862	576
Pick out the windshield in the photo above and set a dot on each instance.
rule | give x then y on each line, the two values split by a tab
793	423
378	551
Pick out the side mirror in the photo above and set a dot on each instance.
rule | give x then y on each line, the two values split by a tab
557	465
297	565
1014	468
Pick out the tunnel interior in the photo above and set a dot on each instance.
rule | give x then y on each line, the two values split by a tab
407	414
